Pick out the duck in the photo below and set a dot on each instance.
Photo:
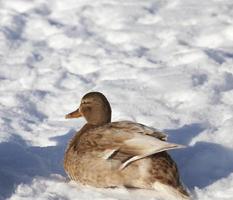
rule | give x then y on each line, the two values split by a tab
128	154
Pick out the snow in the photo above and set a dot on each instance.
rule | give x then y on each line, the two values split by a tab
166	64
43	189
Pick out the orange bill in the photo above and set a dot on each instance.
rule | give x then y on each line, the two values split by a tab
75	114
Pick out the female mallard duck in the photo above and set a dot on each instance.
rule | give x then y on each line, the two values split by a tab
114	154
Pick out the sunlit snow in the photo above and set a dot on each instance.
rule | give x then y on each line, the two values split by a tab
166	64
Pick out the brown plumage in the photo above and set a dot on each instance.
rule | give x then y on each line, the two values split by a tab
112	154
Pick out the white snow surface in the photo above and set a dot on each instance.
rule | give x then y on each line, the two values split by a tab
166	64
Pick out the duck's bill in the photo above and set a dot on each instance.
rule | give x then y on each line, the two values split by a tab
75	114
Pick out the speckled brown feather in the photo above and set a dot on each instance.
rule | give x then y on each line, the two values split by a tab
89	144
164	170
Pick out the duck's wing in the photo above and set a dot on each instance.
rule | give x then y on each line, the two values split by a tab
132	139
141	146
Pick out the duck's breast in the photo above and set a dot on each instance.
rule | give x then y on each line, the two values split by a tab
92	169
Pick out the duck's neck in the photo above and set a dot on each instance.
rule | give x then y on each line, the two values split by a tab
87	127
74	142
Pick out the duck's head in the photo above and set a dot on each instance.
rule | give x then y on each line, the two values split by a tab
95	108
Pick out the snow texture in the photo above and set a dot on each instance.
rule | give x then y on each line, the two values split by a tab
166	64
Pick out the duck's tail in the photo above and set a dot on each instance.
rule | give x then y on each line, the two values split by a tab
183	191
171	193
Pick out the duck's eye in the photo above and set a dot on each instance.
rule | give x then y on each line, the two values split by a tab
85	102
